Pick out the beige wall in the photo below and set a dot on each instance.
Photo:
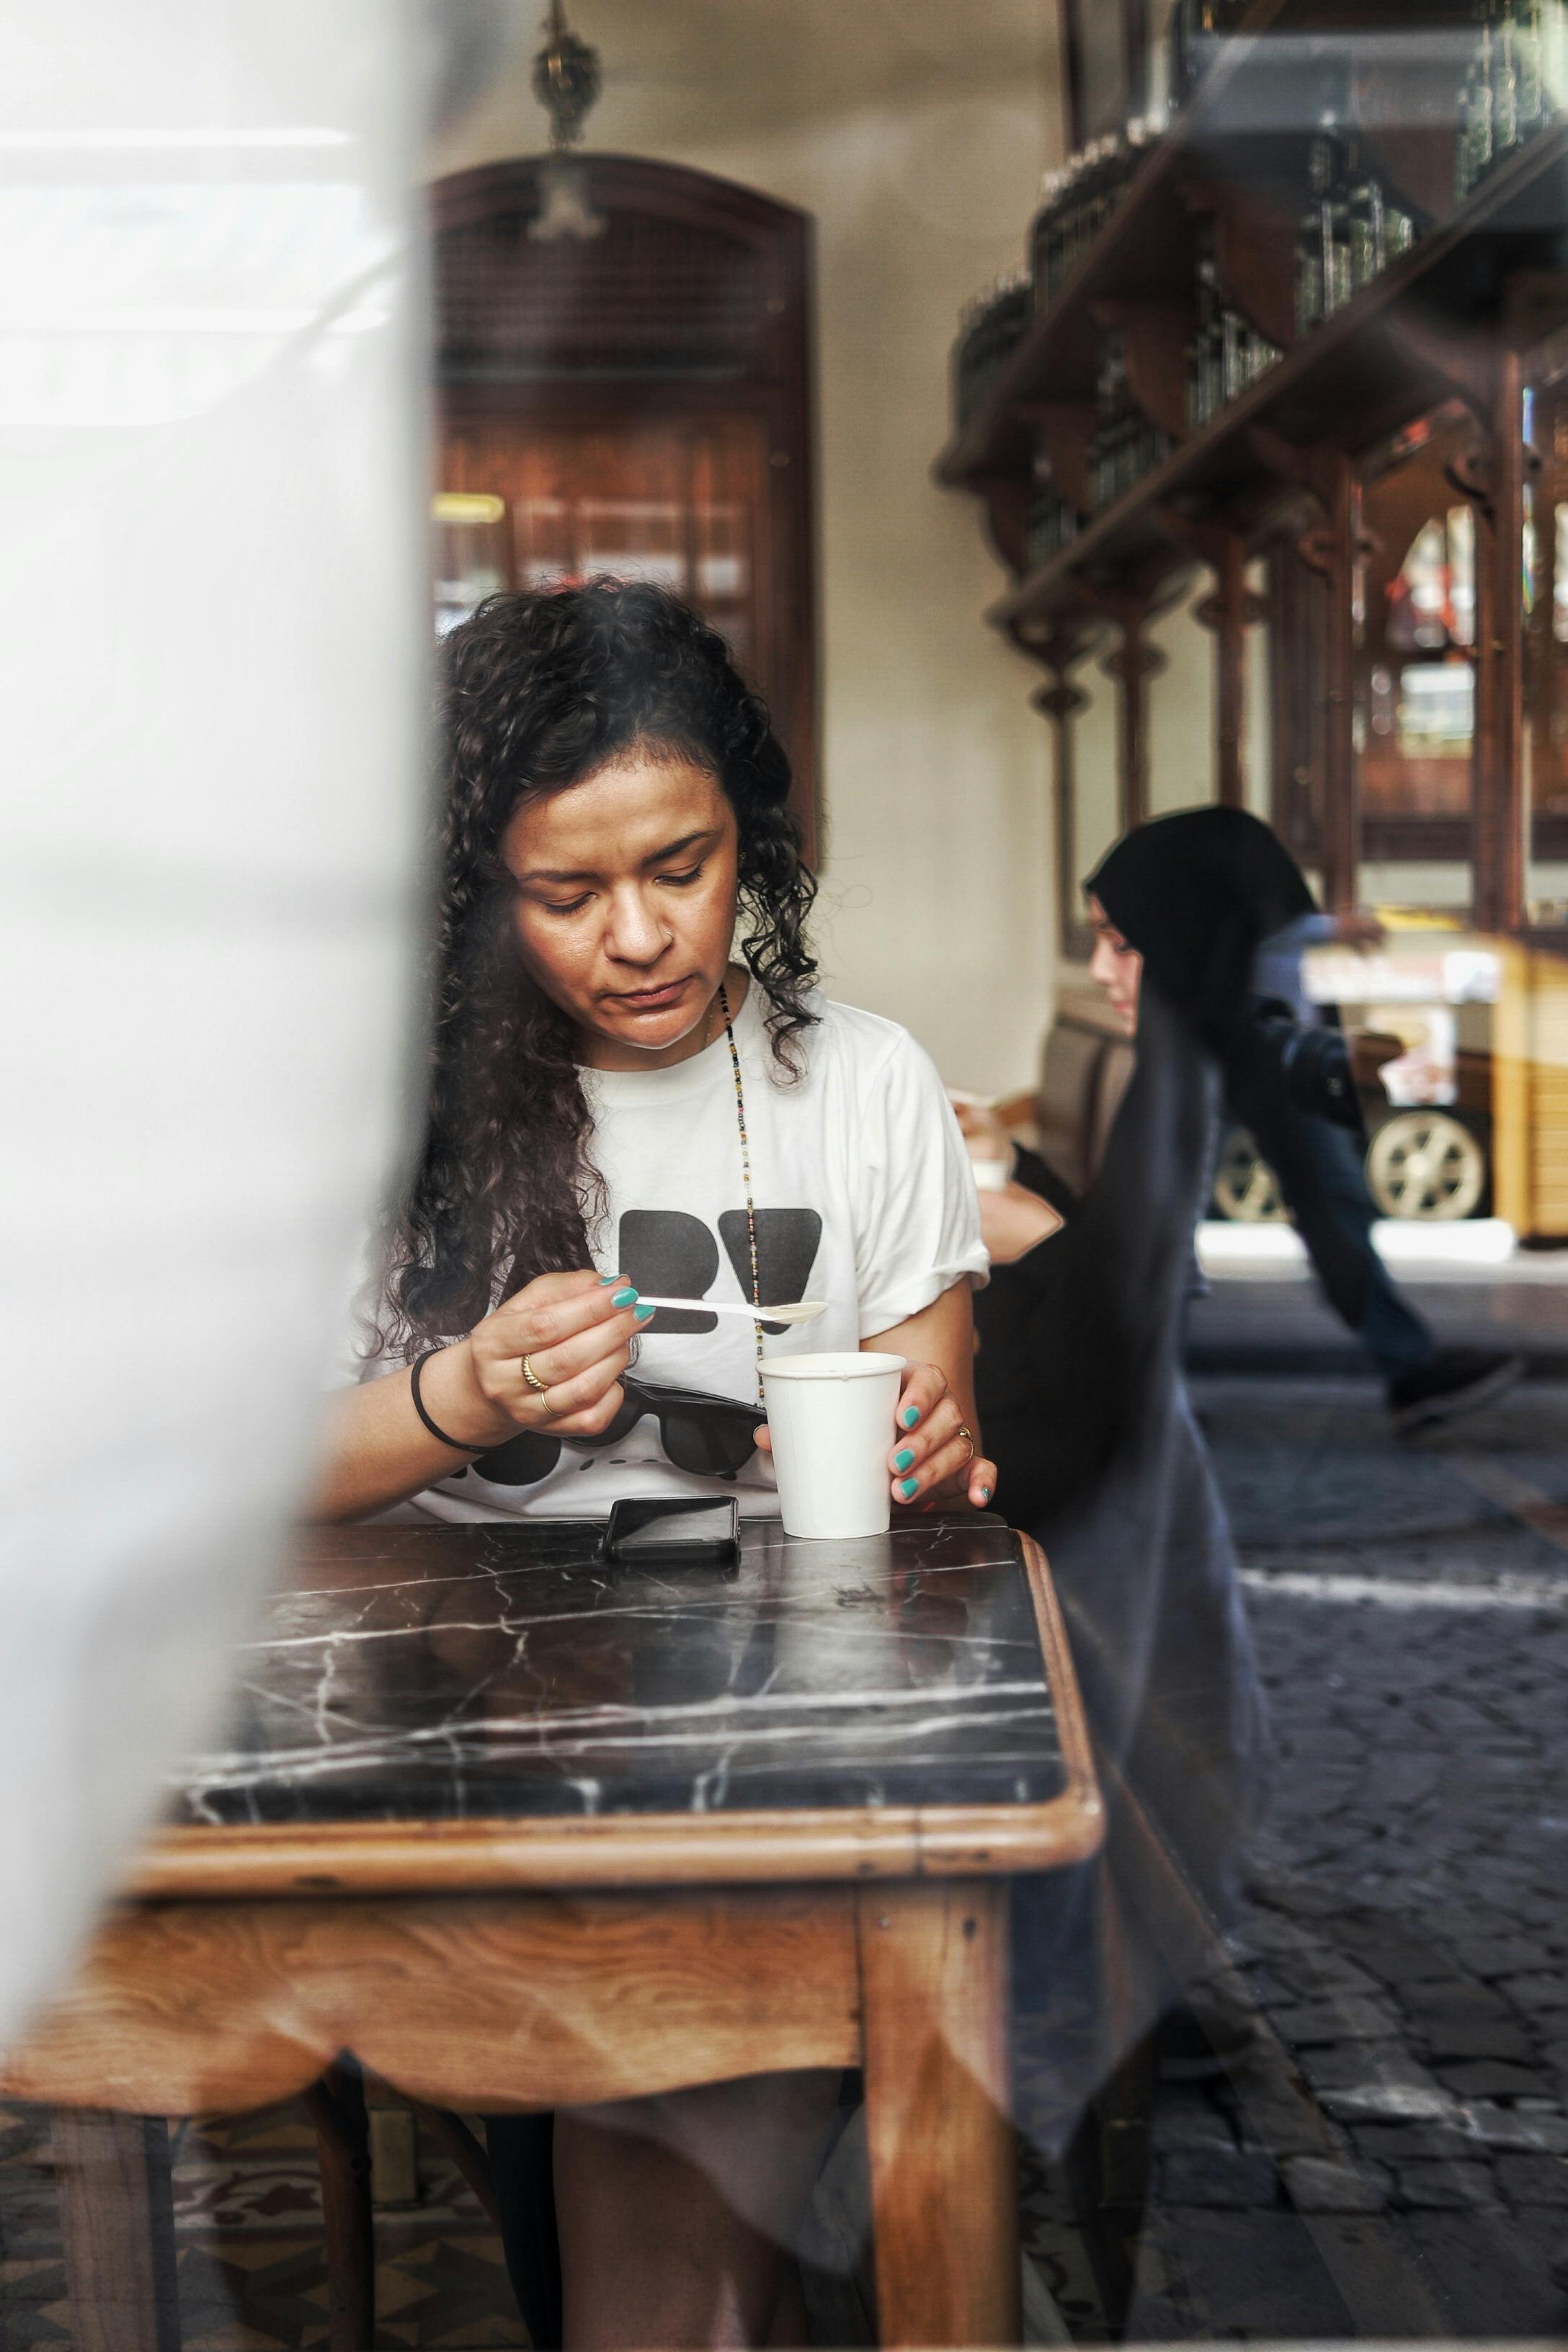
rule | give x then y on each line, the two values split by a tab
915	132
1181	748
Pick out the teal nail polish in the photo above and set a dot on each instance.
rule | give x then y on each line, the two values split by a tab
626	1298
986	1494
642	1313
904	1458
910	1416
910	1487
608	1280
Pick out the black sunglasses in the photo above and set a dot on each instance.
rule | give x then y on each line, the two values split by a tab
711	1436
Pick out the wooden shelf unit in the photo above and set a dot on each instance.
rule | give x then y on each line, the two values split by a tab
1451	322
1391	351
1131	258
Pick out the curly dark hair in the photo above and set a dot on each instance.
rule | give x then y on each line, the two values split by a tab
543	687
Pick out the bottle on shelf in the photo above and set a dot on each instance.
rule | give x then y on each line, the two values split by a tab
1228	353
1309	272
1127	444
1351	230
1400	227
1506	130
1474	143
1325	282
1368	219
1045	228
1076	201
1515	84
1095	202
991	328
1105	449
1530	66
1052	525
1050	236
1200	391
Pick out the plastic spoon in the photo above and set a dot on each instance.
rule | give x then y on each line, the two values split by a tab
805	1310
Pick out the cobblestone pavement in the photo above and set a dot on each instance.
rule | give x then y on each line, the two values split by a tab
1388	2155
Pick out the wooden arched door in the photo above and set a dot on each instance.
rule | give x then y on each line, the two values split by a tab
636	403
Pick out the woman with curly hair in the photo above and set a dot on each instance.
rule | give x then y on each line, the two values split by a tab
635	1086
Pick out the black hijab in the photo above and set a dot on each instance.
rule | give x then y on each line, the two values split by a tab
1080	1385
1196	893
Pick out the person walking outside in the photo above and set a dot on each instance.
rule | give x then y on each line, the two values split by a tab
1212	907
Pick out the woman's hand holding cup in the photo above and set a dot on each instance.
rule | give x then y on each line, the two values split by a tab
934	1462
573	1332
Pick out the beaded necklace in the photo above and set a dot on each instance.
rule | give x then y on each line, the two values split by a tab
745	1175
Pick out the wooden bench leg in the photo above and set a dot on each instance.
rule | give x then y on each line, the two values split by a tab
934	1993
117	2221
336	2108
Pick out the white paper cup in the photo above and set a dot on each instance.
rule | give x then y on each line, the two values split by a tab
832	1419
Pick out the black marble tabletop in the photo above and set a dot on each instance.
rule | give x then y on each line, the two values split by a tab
418	1674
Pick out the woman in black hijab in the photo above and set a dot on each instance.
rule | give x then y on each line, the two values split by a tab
1080	1385
1087	1416
1196	895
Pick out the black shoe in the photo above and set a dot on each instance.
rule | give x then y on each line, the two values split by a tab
1455	1381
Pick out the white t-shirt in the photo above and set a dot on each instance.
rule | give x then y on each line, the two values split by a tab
863	1196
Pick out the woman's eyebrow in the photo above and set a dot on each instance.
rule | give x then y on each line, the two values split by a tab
588	874
674	848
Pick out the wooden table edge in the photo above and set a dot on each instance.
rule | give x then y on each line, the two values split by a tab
230	1860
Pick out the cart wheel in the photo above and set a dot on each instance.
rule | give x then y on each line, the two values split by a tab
1245	1186
1424	1163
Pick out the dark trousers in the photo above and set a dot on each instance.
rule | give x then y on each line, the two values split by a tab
521	2149
1321	1175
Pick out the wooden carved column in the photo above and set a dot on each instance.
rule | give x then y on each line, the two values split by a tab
1056	651
1132	664
1489	375
1059	701
1494	483
1330	551
1229	611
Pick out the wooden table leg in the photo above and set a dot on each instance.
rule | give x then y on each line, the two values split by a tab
934	1993
117	2221
336	2107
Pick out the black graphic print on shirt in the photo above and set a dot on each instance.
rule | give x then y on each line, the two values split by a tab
786	1252
665	1250
670	1250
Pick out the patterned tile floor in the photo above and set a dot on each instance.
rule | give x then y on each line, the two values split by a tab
247	2221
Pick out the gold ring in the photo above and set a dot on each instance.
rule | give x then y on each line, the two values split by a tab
540	1387
969	1435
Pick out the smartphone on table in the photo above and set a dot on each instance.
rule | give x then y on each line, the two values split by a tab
669	1532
